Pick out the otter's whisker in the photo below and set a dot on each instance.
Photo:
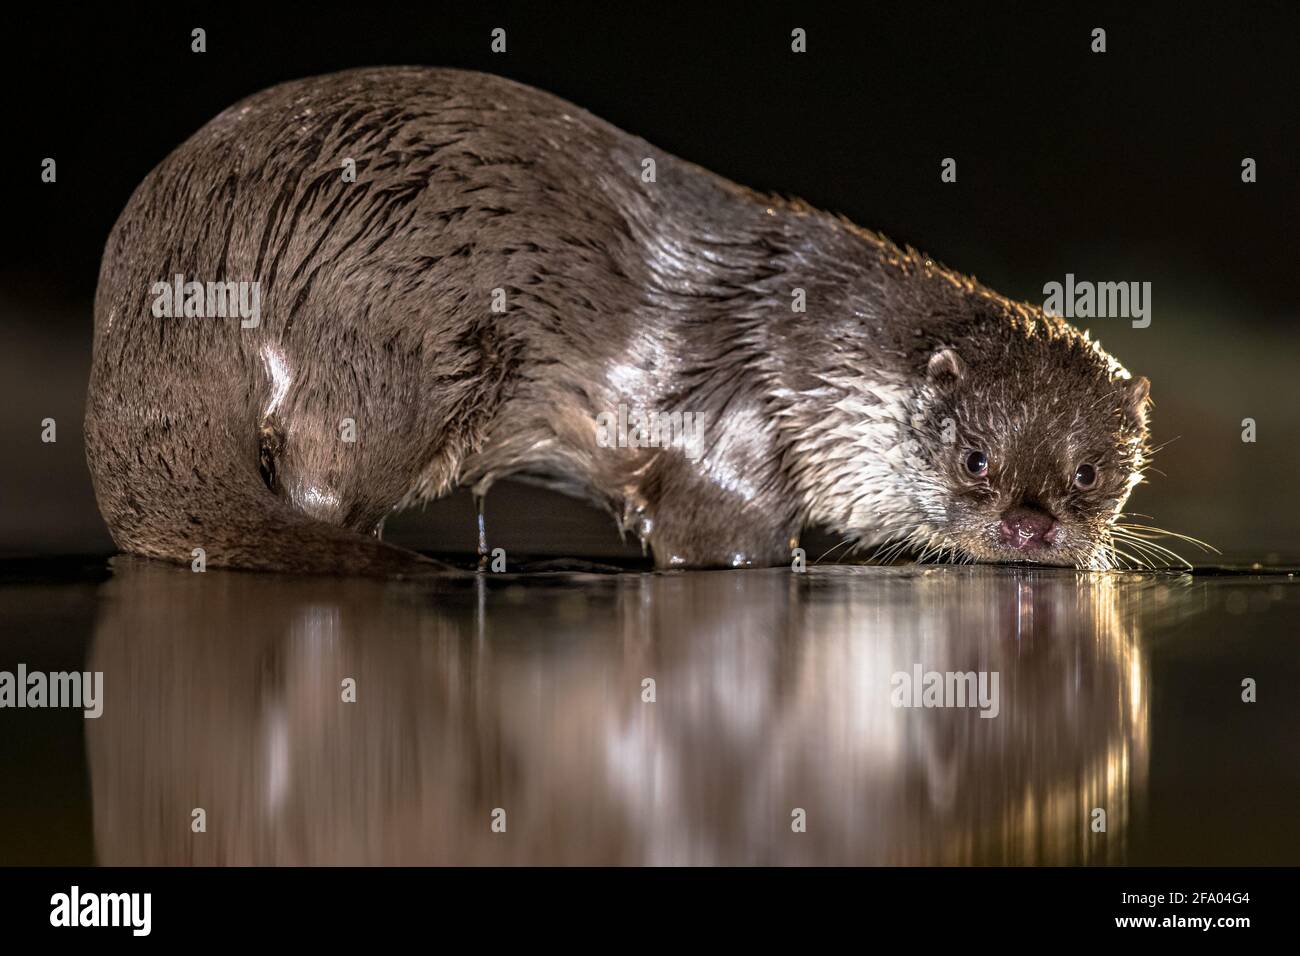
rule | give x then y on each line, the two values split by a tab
835	547
1151	559
1137	562
1146	546
1148	531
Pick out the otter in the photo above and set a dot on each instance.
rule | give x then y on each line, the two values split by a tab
459	278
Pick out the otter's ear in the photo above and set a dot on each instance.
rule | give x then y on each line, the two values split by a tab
1137	399
945	367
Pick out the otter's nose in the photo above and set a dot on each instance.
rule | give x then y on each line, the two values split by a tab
1028	529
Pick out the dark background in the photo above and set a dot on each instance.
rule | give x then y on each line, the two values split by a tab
1123	166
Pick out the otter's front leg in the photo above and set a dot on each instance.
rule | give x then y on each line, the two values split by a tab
691	520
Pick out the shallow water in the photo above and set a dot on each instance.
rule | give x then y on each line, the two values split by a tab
774	693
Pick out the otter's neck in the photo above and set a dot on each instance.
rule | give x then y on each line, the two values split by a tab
828	324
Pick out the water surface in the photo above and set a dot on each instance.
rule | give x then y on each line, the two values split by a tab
524	699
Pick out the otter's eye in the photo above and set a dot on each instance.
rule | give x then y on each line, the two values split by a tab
1085	476
977	463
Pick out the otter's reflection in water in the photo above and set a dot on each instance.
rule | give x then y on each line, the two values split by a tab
773	693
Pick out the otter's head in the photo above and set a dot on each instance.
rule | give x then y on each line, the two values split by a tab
1032	438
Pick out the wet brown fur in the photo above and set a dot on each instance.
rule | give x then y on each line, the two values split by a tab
670	295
